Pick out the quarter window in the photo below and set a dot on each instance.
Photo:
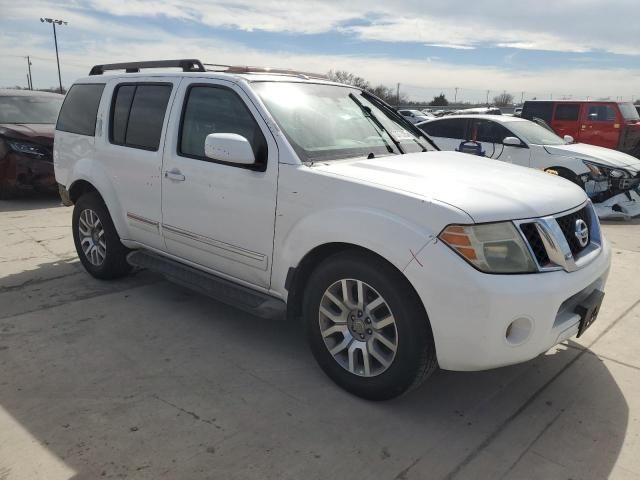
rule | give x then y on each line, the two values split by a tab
137	115
567	112
80	109
601	113
210	109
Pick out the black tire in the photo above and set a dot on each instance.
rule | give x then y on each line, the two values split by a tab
415	357
114	264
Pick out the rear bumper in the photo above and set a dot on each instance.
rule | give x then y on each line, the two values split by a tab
470	312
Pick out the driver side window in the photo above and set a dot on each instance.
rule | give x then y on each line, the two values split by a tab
213	109
488	131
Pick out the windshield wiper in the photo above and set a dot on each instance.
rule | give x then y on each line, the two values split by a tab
369	114
392	113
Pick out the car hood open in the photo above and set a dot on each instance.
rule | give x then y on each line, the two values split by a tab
487	190
601	155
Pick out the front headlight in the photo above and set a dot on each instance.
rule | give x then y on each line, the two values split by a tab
28	149
490	247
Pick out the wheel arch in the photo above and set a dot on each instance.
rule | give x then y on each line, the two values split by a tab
297	277
83	185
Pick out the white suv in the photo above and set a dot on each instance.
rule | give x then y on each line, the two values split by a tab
280	191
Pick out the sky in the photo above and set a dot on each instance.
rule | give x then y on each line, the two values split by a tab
531	49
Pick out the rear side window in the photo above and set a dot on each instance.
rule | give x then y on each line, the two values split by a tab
218	110
541	110
567	112
80	109
449	128
137	115
601	113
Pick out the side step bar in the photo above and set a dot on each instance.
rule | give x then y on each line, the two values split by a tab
211	285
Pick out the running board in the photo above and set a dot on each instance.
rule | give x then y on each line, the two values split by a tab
211	285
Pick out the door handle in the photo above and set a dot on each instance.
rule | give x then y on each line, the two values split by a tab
175	175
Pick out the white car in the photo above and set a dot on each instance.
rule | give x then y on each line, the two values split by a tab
610	178
279	192
416	116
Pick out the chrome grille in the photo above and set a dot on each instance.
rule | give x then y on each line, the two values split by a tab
567	225
552	241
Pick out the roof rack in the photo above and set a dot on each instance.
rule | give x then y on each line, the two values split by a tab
263	70
193	65
187	65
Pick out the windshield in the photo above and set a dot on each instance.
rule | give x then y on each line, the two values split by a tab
328	122
629	111
534	134
26	109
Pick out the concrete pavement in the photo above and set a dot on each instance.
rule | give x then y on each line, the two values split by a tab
139	378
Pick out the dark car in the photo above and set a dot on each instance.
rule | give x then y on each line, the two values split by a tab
27	120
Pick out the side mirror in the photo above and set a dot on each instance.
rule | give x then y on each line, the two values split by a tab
569	139
512	142
229	147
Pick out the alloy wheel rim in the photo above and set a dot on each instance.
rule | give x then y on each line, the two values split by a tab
358	327
91	234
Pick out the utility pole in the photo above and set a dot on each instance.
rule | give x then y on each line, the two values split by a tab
29	78
488	91
55	41
398	96
455	97
522	98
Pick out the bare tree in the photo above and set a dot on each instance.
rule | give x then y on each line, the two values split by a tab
348	78
503	99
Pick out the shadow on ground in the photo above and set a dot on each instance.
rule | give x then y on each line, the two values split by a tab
142	379
31	201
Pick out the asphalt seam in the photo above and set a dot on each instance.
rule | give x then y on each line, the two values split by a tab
484	444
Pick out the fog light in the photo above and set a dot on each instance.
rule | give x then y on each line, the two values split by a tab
518	331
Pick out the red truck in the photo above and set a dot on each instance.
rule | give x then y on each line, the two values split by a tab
607	124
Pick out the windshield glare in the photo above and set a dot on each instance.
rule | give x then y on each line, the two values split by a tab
25	109
629	111
535	134
322	122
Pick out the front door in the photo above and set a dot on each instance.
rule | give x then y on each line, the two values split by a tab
215	214
491	134
600	125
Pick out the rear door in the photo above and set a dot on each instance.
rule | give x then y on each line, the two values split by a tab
131	150
215	214
447	133
566	119
601	125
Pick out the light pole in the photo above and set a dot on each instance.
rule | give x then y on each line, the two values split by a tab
55	41
29	79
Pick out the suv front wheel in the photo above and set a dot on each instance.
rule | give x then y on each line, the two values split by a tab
96	239
367	327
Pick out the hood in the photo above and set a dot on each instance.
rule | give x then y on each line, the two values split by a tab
601	155
487	190
41	134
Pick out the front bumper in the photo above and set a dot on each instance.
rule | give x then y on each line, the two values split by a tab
19	171
470	312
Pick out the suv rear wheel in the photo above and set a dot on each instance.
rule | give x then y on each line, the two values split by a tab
97	242
367	327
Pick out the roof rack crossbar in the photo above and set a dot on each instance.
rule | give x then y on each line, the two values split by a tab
187	65
266	70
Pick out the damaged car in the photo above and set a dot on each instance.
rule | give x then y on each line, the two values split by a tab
610	178
27	120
